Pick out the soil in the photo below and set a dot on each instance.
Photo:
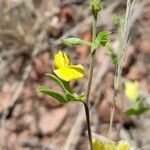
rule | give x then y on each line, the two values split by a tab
29	38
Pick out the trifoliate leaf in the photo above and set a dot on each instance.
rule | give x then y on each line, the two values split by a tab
137	108
101	39
116	20
112	54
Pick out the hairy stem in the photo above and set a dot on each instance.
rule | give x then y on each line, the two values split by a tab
86	104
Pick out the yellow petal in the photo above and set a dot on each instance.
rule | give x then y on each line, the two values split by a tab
61	60
97	145
131	90
123	145
109	146
70	73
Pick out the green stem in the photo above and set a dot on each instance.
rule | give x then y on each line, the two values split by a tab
86	104
90	77
87	43
94	29
92	57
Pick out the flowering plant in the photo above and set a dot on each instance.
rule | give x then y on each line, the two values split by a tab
64	73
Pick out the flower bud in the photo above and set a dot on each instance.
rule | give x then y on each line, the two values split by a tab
95	7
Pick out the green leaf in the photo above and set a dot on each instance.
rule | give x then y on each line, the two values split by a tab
101	39
113	55
74	41
63	84
48	91
116	20
137	108
82	97
114	58
70	97
75	97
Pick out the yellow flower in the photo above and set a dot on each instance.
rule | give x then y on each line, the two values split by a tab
65	70
131	90
123	145
97	145
110	146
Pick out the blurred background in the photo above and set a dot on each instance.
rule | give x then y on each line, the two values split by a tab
29	38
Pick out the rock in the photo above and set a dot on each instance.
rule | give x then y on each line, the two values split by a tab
145	15
26	92
109	80
136	72
40	66
66	13
144	46
16	65
12	141
144	86
5	95
33	75
52	120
